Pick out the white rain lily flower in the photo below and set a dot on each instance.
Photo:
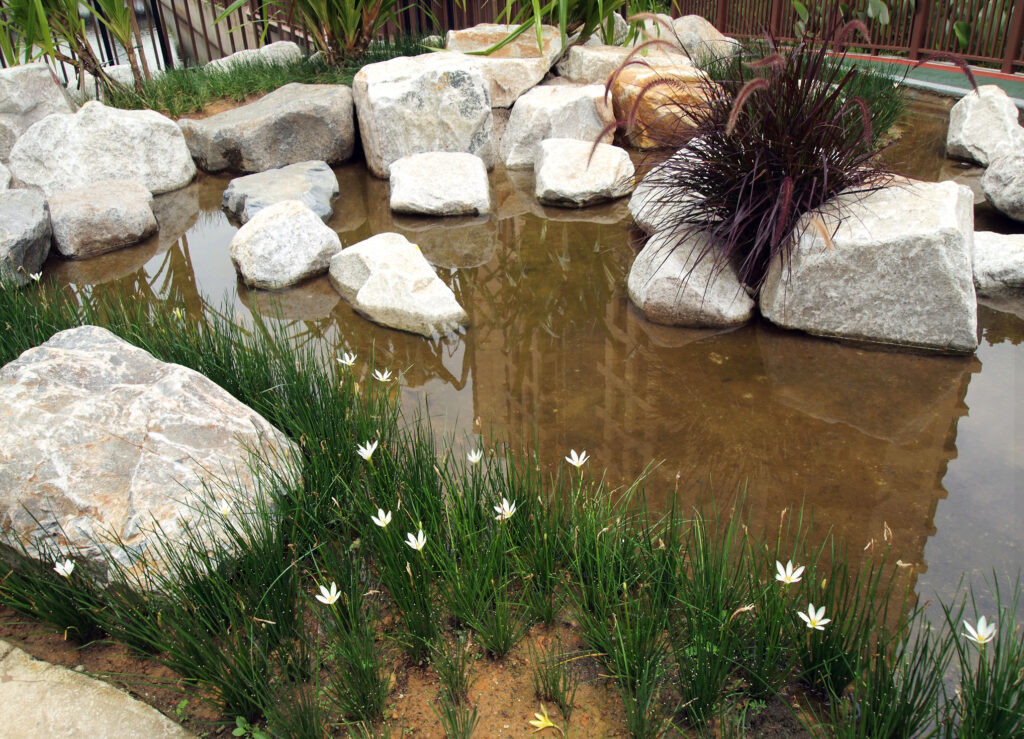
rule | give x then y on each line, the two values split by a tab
224	508
505	510
787	574
983	634
366	450
36	276
416	542
382	376
475	456
577	460
813	618
382	519
328	597
347	359
65	568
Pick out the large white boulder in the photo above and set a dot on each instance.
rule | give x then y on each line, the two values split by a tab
591	65
983	125
24	234
575	174
514	68
99	439
294	123
65	151
103	217
279	52
283	244
387	279
445	183
432	102
28	93
672	284
898	271
554	112
1003	184
700	39
314	183
998	263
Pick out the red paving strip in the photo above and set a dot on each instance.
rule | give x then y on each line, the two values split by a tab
978	71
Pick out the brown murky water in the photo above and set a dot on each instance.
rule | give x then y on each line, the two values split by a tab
930	446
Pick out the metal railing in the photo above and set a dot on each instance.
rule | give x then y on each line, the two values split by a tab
183	33
994	29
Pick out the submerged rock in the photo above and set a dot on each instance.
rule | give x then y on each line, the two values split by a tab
387	279
314	183
294	123
672	286
1003	184
103	217
28	93
24	234
440	184
982	125
898	271
998	263
575	174
62	152
554	112
283	244
432	102
101	440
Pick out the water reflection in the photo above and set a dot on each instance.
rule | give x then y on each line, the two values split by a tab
928	447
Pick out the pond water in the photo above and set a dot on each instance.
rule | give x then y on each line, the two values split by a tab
928	447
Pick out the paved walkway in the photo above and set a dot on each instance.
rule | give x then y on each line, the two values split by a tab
43	700
944	78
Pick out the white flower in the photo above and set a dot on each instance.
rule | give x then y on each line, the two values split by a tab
382	376
475	456
813	618
65	568
328	597
224	508
382	519
36	276
505	510
787	574
416	542
347	359
577	460
366	450
983	634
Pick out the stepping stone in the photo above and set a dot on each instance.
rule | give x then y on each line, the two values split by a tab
314	183
440	184
574	174
104	217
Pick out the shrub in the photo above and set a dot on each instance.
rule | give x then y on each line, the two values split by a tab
774	133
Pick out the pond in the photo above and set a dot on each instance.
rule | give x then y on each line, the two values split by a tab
929	449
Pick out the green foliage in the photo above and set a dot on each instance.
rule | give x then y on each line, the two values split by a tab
554	678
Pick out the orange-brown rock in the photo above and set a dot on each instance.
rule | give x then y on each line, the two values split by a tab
662	107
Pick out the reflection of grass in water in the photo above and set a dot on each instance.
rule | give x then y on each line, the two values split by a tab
663	600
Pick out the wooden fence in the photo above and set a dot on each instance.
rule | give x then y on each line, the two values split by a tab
183	32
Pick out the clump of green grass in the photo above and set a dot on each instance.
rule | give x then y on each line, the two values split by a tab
179	92
554	678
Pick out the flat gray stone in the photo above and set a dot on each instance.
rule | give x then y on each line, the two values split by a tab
1003	184
575	174
40	699
388	280
440	184
101	439
294	123
24	234
28	93
279	52
432	102
592	65
899	271
106	216
313	183
671	286
283	244
64	151
998	263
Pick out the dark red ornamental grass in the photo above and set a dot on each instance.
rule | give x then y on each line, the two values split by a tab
783	131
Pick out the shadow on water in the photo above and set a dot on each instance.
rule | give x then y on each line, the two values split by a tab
928	447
